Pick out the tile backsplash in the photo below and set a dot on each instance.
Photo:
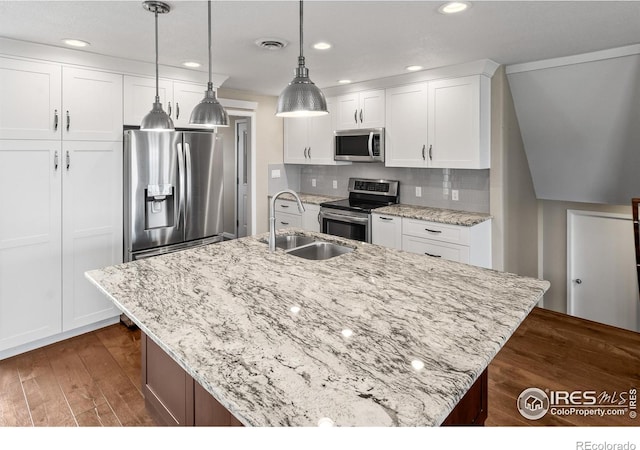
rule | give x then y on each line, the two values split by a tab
436	184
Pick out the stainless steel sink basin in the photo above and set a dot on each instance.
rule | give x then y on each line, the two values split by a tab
293	241
319	250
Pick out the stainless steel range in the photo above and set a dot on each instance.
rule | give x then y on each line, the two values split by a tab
351	217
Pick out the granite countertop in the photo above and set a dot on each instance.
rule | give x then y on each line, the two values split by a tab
264	332
314	199
447	216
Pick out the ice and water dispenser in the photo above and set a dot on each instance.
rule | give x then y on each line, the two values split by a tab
160	201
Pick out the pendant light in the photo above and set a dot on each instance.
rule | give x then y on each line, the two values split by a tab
209	111
301	98
157	119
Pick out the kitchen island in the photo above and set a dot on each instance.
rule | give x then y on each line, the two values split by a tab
374	337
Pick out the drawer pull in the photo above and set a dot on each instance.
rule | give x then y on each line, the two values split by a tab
386	218
434	256
284	223
284	206
433	231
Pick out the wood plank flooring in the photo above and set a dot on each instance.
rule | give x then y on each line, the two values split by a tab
94	379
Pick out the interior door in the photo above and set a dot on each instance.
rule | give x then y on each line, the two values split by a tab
602	284
242	203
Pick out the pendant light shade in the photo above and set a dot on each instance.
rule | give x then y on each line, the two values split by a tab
157	119
209	111
301	98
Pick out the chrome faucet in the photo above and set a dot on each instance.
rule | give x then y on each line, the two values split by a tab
272	216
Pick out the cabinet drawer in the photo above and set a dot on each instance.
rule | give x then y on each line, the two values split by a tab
436	231
437	249
286	220
287	206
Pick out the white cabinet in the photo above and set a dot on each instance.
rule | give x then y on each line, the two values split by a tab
439	124
360	110
47	101
386	231
30	99
309	140
91	104
178	99
469	245
30	245
459	123
288	216
63	217
406	131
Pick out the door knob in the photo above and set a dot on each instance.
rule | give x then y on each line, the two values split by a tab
578	281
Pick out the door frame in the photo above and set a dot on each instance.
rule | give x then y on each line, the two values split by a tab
236	216
571	215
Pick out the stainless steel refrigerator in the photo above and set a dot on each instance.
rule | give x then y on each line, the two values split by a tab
173	191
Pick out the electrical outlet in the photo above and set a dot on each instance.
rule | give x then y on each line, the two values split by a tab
418	191
275	173
454	195
313	182
335	184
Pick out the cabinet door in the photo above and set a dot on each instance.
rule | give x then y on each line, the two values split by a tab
310	221
92	105
92	227
30	278
321	138
30	95
386	231
139	95
296	140
454	123
347	108
406	129
372	113
186	96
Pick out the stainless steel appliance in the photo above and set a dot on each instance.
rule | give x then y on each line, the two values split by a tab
361	145
173	184
351	217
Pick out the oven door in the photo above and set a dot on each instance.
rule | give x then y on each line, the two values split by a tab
346	224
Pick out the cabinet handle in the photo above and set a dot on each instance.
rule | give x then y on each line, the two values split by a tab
68	120
433	256
55	120
305	153
386	218
284	206
430	153
423	148
309	152
169	103
433	231
68	159
55	160
284	223
355	116
177	110
360	116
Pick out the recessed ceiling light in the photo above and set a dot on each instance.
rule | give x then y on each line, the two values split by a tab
454	7
191	64
344	81
76	42
413	68
322	46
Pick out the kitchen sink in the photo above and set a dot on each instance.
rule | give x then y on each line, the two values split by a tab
292	241
319	250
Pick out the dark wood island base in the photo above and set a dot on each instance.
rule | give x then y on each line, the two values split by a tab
172	397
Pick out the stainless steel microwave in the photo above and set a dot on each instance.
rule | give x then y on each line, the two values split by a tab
361	145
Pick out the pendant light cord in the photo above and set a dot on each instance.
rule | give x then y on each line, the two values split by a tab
301	58
157	77
210	86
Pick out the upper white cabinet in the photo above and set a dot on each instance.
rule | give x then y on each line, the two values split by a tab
91	104
360	110
406	131
309	140
440	124
178	99
30	99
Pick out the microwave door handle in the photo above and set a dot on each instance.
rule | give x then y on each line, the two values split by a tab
343	217
370	144
181	186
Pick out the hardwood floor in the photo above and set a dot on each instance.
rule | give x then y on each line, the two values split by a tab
94	379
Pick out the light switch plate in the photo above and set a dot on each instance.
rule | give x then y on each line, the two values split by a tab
275	173
418	191
335	184
454	195
313	182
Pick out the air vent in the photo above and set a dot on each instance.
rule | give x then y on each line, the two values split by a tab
271	43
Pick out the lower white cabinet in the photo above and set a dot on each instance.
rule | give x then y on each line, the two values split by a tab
62	216
386	231
288	216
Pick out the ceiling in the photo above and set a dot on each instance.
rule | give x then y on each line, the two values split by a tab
371	39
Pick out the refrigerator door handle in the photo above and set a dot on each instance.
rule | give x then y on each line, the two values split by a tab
187	179
181	183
